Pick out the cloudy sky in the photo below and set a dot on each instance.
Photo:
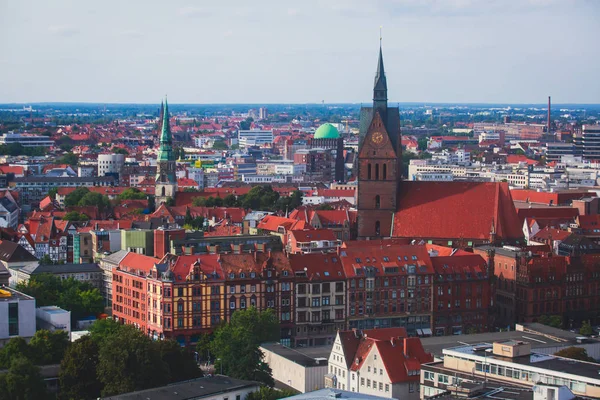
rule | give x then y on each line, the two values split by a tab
276	51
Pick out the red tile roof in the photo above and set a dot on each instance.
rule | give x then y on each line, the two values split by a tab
272	223
554	198
354	258
138	262
318	266
515	159
550	234
310	235
445	210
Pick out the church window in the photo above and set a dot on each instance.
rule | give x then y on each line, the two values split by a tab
369	171
377	201
376	172
384	172
163	191
377	228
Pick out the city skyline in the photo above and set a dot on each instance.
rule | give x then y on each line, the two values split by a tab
435	52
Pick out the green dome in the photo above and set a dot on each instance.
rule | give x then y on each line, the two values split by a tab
327	131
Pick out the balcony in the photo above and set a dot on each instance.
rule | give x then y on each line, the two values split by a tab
327	321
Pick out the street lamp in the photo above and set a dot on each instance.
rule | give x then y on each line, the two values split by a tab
221	364
485	366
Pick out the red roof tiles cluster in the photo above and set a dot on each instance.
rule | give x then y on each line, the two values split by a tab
468	210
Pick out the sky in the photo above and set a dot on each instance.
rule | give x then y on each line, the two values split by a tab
280	51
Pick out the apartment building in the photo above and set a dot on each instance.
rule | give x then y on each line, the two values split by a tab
320	302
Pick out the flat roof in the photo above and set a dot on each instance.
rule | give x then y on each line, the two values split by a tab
537	339
14	295
536	360
296	355
332	394
192	389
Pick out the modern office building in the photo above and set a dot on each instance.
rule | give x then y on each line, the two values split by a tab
254	137
509	362
26	140
17	315
110	163
590	142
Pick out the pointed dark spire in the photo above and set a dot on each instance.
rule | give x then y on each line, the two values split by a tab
380	86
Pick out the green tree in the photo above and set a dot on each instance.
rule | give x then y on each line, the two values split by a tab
422	142
81	298
75	216
48	347
269	393
151	203
78	370
126	363
188	219
16	347
230	201
46	260
103	328
554	321
132	194
236	344
52	193
120	150
219	145
73	198
586	328
576	353
203	346
22	381
181	363
69	158
96	200
246	124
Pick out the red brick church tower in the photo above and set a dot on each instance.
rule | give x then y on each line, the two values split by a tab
379	162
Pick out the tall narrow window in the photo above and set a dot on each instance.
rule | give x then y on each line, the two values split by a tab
384	172
376	172
163	191
377	201
369	171
377	228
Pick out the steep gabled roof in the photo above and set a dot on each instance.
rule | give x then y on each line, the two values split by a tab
469	210
14	252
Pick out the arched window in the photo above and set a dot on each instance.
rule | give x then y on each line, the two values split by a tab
376	172
163	191
377	228
369	171
377	201
384	172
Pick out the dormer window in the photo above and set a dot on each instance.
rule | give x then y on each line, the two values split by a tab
285	273
231	276
242	275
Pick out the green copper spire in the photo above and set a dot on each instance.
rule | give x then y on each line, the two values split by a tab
165	135
165	151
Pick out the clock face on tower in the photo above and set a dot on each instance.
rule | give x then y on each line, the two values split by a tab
377	137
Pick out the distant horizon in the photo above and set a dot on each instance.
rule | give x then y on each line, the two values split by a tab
416	103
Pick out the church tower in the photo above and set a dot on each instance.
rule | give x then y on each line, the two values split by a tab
166	180
378	169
